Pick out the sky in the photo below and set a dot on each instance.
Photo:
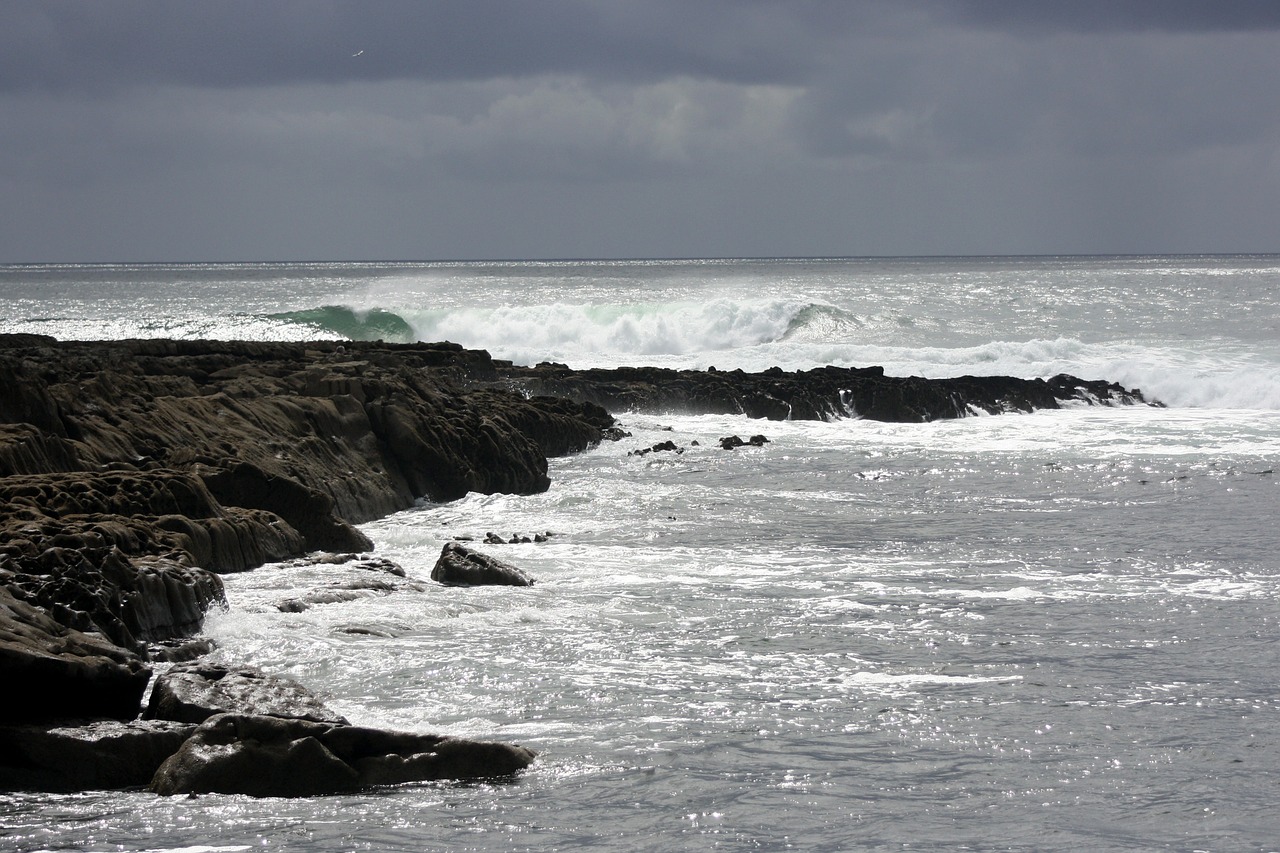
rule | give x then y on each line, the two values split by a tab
167	130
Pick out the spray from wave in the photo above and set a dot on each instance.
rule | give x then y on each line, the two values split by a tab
600	334
757	334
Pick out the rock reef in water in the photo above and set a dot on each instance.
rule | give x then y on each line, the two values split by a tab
133	473
823	393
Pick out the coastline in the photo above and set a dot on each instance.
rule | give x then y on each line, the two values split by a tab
133	473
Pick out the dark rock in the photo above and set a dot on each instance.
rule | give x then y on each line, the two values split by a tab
731	442
94	756
368	562
822	393
308	510
660	447
459	565
191	693
274	757
51	672
180	651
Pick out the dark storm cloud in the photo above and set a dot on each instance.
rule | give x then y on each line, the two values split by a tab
1094	16
250	43
245	128
92	45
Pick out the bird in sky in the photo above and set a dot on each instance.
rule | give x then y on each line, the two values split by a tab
357	53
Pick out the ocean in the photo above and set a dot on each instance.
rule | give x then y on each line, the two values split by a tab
1043	632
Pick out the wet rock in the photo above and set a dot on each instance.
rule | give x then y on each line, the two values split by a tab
352	590
180	651
459	565
368	562
732	442
660	447
191	693
93	756
273	757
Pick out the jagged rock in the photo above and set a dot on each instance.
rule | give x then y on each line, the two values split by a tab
130	601
308	510
274	757
459	565
94	756
191	693
51	672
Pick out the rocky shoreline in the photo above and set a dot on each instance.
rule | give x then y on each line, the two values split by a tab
134	473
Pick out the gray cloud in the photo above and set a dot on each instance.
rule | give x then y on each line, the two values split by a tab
1094	16
639	127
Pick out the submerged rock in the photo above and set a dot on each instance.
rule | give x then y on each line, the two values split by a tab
459	565
274	757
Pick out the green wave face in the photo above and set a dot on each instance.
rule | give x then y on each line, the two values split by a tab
373	325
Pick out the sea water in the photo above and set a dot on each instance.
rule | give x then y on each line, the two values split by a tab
1053	631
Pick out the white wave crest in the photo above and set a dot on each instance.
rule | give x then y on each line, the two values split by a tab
604	334
1206	375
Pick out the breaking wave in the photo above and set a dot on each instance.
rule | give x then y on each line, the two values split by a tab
755	334
372	325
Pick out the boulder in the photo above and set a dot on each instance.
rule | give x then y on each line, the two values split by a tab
191	693
459	565
275	757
